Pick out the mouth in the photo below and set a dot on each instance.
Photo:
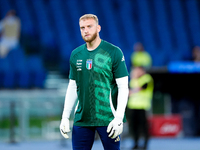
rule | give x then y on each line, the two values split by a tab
87	35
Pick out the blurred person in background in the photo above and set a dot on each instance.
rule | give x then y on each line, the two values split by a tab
99	80
140	95
140	57
10	28
196	54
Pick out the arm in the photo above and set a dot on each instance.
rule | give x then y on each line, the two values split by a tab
138	89
123	90
70	100
115	127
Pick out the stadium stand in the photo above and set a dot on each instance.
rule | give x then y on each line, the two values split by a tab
18	63
6	74
36	70
167	28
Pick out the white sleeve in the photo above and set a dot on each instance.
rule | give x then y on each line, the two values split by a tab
122	84
70	99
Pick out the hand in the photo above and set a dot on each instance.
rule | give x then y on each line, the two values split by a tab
115	128
64	127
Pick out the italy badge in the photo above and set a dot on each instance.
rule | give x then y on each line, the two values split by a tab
89	64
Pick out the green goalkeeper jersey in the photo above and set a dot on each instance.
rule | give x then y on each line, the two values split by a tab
95	73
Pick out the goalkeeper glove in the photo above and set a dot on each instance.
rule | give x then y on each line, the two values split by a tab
115	128
64	127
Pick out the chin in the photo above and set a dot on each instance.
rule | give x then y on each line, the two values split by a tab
88	40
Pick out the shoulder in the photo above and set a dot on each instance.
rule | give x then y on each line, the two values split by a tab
77	50
147	77
146	54
18	19
112	49
110	46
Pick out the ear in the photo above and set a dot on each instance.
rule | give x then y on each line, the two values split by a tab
98	28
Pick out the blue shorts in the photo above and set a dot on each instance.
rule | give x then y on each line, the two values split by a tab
83	138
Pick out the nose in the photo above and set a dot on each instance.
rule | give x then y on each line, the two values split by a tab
86	30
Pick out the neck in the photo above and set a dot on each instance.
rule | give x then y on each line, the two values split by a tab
94	44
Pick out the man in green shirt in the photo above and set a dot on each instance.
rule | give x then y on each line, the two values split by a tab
99	81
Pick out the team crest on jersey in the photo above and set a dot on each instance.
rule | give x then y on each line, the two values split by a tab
89	64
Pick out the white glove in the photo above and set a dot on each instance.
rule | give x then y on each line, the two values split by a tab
115	128
64	127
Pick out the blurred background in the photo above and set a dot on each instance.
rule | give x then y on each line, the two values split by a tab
38	36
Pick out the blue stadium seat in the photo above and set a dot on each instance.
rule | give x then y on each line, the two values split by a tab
44	27
111	22
162	26
165	27
37	71
129	28
6	74
145	23
179	25
193	20
17	60
4	7
23	12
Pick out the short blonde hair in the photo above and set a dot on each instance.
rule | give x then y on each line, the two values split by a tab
89	16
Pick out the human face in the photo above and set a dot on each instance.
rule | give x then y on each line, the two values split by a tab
89	29
137	72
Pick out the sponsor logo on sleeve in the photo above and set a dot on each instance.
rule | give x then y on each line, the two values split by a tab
79	65
123	59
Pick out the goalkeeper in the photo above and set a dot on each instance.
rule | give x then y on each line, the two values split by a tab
98	80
